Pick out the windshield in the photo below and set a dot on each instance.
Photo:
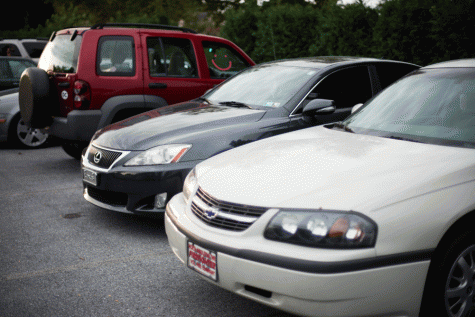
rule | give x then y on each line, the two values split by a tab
61	55
267	85
432	106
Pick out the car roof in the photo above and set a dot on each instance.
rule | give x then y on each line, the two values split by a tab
324	61
469	62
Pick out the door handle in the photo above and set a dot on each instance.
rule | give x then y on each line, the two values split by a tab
157	86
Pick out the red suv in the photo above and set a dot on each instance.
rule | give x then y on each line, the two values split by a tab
88	78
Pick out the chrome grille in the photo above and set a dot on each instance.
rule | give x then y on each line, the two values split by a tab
224	215
108	157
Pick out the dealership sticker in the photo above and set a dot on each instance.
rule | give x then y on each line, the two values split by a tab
202	261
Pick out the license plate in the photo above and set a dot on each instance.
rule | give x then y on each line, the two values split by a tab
89	176
203	261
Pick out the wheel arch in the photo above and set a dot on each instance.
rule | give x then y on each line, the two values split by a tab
115	108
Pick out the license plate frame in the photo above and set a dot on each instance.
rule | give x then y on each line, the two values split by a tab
202	260
89	176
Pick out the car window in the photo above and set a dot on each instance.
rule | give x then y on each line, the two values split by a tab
389	73
267	85
34	49
61	55
223	61
347	87
433	106
116	56
17	67
171	57
9	50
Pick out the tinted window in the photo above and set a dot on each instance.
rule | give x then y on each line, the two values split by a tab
223	61
171	57
9	50
346	87
61	55
116	56
34	49
388	73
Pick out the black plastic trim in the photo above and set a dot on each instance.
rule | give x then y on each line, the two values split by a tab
306	265
143	25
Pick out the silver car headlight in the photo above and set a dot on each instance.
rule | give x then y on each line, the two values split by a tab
322	229
163	154
189	184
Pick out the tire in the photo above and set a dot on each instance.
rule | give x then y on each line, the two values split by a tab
74	148
23	135
450	285
34	98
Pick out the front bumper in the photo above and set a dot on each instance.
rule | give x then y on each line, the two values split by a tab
133	189
256	268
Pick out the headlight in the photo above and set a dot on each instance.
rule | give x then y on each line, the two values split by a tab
322	229
189	185
163	154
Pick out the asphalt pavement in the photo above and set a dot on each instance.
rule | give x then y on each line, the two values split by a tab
62	256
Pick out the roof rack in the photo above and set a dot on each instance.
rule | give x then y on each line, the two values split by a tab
143	25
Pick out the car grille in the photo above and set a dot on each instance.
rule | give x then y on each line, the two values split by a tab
107	157
224	215
107	197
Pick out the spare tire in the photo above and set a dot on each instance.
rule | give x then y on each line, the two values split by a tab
34	98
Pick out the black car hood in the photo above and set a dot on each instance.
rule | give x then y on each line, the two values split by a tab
180	123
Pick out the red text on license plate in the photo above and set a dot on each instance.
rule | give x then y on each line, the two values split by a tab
203	261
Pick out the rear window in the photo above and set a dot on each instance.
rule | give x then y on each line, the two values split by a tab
34	49
61	55
9	50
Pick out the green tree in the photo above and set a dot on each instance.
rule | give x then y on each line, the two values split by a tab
346	31
403	31
453	29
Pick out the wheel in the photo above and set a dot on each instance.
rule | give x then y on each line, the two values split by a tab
34	98
74	148
450	286
25	136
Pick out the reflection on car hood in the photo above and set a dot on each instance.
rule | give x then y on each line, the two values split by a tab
318	167
178	123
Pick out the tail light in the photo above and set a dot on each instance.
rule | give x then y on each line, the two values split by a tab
82	95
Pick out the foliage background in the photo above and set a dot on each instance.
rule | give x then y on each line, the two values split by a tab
417	31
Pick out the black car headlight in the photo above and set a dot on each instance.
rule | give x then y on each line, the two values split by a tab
322	229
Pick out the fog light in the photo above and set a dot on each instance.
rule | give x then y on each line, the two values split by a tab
160	200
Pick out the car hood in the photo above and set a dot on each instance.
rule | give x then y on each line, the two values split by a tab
180	123
323	168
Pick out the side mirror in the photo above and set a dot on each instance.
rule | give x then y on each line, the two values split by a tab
356	107
319	106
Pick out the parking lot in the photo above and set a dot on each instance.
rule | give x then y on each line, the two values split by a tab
61	256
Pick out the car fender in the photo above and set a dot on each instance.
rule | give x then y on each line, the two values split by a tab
115	104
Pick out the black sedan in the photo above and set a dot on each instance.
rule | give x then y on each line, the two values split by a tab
138	164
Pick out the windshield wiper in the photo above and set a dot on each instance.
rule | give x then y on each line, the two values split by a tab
203	99
235	104
342	126
393	137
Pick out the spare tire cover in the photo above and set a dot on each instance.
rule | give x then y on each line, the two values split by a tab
34	98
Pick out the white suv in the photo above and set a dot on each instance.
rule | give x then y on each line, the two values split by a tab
30	48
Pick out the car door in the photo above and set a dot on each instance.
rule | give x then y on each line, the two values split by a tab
347	87
172	70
